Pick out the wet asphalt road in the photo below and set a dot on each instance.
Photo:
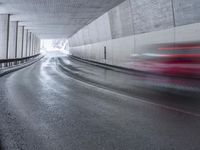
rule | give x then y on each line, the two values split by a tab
43	108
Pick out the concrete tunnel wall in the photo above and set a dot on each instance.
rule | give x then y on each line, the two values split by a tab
133	25
15	40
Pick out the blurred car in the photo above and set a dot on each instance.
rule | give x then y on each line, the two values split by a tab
176	60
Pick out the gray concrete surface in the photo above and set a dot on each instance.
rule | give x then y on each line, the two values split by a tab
4	28
29	44
136	17
20	40
42	107
12	40
55	19
25	43
152	15
137	27
121	22
186	12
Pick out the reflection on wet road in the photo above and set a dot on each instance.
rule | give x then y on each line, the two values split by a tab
60	103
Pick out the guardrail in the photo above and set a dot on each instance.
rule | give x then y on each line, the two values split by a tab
15	61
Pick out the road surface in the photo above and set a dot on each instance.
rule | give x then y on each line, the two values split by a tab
84	107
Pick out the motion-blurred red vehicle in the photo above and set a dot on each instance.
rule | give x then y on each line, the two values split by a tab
176	60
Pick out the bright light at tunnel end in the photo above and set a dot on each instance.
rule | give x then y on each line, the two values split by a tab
48	45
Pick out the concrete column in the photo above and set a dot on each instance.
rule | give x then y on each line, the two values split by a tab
4	32
12	46
39	42
34	50
29	44
25	41
32	44
36	45
20	41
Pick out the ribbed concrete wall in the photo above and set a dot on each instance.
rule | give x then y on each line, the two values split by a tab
12	46
134	27
4	28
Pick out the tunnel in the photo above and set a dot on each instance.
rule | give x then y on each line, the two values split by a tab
125	75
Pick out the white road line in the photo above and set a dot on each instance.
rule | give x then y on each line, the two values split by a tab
137	99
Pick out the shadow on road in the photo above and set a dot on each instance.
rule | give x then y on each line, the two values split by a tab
1	147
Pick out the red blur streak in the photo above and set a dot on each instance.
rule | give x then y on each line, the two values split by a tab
167	69
179	56
171	64
180	48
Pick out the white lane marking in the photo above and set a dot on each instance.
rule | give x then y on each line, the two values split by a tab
136	99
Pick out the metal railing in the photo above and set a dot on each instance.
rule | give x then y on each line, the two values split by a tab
15	61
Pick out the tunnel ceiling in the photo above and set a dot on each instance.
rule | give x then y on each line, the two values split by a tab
55	18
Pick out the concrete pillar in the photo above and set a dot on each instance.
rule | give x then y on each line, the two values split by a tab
37	45
29	44
4	32
25	41
39	42
20	39
34	50
12	46
32	44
